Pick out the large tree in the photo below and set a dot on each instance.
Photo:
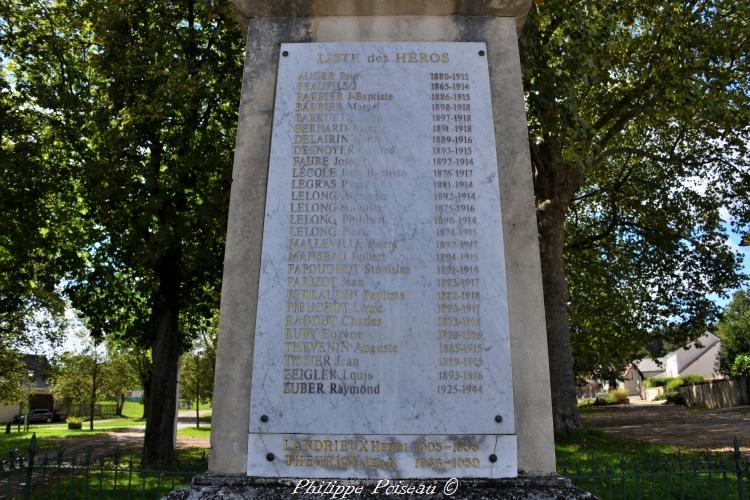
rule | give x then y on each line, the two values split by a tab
78	379
638	121
158	176
12	377
40	228
145	95
734	330
119	375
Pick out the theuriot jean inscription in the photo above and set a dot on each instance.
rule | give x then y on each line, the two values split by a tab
381	347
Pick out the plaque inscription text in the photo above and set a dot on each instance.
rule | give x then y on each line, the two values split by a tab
381	347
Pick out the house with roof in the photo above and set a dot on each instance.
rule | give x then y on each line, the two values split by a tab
40	393
691	360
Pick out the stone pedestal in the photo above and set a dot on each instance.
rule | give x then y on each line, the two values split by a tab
549	487
494	23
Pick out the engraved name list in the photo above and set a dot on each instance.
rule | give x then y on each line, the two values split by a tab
381	346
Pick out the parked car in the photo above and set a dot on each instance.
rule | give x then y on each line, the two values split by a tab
35	416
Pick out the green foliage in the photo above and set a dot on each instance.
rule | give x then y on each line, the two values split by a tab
618	396
608	448
73	379
74	423
140	102
741	365
197	375
12	377
202	432
40	230
94	373
671	384
119	375
157	168
692	379
197	371
586	403
734	330
672	397
656	382
638	118
122	481
609	466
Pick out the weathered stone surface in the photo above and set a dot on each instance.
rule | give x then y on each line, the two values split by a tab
247	9
550	487
242	264
381	344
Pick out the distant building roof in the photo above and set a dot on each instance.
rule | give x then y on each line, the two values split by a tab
685	359
648	365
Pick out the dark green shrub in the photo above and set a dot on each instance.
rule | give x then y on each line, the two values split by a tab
741	365
75	423
618	396
672	383
692	379
656	382
672	398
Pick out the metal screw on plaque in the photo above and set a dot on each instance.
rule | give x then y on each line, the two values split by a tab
285	53
481	53
264	418
270	457
493	458
498	418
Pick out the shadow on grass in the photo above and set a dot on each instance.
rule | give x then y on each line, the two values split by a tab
612	467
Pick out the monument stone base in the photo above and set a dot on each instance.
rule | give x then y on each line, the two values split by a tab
210	486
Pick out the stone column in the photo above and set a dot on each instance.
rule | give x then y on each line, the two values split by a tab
269	23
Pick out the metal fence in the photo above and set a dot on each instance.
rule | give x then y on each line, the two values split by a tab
101	410
110	474
117	475
707	475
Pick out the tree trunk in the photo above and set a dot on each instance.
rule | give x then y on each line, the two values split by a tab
93	392
165	350
555	183
144	374
197	392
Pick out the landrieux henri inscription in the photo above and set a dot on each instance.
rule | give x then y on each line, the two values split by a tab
381	345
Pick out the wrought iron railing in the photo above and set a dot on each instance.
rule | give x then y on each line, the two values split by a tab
707	475
45	474
40	474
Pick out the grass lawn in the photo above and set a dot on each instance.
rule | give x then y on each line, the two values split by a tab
584	445
203	432
124	480
45	438
613	467
131	409
53	435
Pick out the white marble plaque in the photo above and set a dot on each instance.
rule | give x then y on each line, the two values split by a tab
382	313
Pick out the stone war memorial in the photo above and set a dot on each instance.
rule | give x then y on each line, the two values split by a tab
382	323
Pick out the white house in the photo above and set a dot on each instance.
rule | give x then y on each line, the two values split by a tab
40	395
686	361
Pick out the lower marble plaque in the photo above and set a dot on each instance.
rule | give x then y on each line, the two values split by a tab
381	346
398	456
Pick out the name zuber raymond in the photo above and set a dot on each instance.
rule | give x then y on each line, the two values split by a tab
334	489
